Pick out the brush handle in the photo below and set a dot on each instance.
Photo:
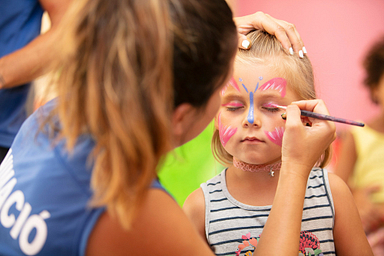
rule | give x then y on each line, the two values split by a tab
330	118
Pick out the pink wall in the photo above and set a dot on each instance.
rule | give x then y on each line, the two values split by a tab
336	34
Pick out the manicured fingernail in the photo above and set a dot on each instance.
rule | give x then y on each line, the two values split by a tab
304	50
245	44
284	116
301	54
291	51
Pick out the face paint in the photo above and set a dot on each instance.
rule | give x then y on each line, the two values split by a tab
278	84
270	105
241	80
225	132
250	116
276	136
232	83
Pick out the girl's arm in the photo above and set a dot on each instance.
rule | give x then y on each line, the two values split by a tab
348	231
161	228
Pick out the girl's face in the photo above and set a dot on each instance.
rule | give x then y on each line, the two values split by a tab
250	128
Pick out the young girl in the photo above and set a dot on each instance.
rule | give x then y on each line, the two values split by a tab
137	78
361	157
231	209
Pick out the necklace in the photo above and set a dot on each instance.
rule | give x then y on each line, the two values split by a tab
271	168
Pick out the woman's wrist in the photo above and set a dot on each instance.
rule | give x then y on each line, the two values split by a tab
296	171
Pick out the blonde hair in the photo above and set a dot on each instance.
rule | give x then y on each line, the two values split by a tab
267	50
116	82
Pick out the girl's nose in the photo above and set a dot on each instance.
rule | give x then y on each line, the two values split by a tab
250	119
251	114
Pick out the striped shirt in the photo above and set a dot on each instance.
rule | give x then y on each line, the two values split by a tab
234	228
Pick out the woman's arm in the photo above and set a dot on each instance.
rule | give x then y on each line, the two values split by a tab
31	61
194	208
302	146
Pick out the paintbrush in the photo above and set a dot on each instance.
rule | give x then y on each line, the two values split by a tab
321	116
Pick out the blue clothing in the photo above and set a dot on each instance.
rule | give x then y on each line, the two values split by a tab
20	22
44	194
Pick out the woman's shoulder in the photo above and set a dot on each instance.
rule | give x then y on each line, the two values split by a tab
160	228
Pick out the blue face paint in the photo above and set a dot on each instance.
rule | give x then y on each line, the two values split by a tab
241	80
250	116
260	78
257	86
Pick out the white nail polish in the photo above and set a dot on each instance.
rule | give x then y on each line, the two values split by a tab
304	50
291	51
245	44
301	54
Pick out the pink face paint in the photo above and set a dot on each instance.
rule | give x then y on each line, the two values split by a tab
270	105
225	132
277	83
232	83
276	136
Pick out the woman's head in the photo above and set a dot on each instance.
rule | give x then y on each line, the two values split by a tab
248	127
204	46
126	68
374	71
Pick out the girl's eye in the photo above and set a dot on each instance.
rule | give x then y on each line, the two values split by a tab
271	109
232	109
233	106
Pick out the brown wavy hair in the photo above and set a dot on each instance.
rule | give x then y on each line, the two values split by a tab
266	49
124	66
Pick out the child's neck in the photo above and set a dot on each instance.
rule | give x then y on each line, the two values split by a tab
271	168
253	184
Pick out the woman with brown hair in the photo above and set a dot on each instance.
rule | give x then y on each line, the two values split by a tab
135	79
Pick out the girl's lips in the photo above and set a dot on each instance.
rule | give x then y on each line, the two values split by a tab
251	139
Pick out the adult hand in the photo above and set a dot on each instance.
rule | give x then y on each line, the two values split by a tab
285	32
303	145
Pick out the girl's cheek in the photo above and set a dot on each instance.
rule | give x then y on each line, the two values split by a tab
276	136
225	132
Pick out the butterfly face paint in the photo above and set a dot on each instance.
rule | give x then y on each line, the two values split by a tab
225	132
251	115
276	136
232	83
277	83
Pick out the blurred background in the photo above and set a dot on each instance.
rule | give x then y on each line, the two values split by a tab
337	35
